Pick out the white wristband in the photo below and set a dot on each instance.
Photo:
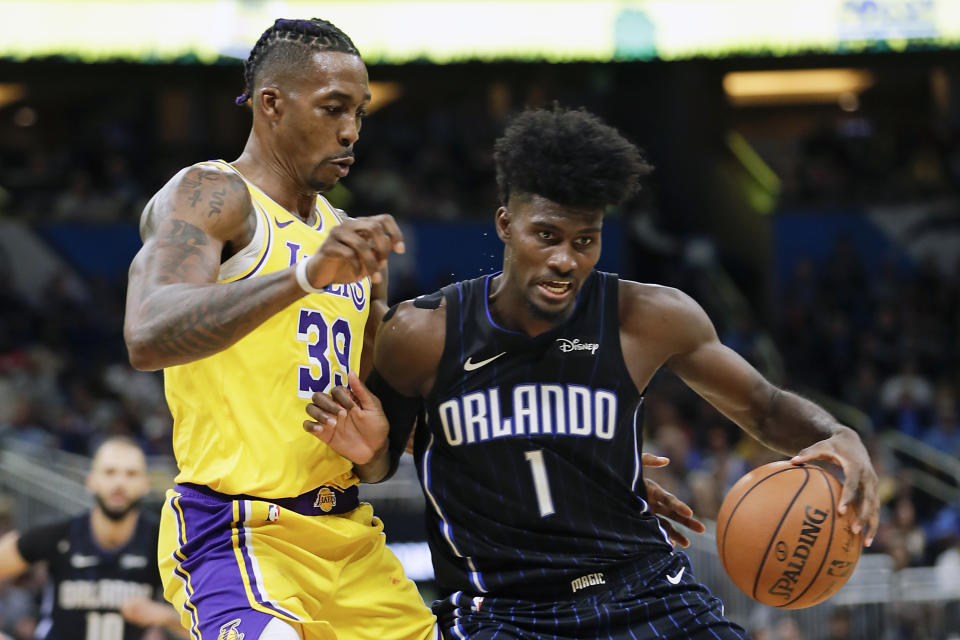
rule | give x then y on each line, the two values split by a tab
302	278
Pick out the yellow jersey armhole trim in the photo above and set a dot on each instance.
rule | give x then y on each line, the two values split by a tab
264	250
326	211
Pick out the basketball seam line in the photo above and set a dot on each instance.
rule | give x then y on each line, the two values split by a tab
826	554
763	560
723	543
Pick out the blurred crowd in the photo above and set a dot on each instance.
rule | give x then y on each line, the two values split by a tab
885	344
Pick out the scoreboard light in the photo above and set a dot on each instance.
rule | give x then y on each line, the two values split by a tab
441	31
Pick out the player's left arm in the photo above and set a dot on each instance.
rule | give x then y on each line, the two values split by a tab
145	612
779	418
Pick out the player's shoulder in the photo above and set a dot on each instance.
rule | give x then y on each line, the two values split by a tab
410	342
654	296
657	307
416	318
210	191
206	174
48	540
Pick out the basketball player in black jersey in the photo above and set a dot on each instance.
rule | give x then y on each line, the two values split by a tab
529	386
102	565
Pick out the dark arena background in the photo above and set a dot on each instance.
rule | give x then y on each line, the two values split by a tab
806	193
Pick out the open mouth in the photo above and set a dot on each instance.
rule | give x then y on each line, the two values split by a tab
556	289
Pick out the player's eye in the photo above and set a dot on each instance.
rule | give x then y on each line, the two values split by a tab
584	241
362	113
333	109
545	235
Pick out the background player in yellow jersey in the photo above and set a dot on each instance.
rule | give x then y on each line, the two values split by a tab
252	293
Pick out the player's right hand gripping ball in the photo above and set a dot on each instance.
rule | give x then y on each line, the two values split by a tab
781	539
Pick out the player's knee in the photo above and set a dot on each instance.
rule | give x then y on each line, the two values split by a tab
277	629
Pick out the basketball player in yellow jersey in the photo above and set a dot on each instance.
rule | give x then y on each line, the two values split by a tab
252	293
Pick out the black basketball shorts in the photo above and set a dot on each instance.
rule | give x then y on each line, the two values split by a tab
633	601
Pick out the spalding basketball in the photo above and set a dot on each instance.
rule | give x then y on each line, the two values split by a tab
781	539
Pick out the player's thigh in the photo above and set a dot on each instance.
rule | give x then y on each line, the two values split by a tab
377	601
277	629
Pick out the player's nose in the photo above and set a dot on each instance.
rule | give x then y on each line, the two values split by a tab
561	260
349	132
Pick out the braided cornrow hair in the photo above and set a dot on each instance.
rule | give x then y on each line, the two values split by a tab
287	40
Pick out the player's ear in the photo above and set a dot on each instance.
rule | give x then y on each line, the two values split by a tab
269	102
502	221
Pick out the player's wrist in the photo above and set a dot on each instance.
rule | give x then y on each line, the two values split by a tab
304	281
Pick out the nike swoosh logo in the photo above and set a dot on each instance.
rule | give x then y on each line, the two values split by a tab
676	579
471	366
281	225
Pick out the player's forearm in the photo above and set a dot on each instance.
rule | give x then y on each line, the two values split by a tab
183	322
791	423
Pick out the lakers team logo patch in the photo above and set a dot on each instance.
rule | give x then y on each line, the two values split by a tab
229	631
326	499
273	513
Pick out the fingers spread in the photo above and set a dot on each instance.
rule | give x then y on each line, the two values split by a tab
675	537
365	399
849	494
344	397
324	433
321	416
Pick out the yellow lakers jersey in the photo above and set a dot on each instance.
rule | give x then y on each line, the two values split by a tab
238	414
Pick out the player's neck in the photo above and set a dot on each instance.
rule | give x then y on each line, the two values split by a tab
112	534
511	310
267	171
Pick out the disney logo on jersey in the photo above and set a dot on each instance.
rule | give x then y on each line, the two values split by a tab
566	346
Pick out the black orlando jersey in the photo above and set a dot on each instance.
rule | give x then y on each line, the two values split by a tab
531	460
88	585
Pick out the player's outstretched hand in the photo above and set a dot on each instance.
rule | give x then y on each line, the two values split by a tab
355	249
667	506
350	420
846	450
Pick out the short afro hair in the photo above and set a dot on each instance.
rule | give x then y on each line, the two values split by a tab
568	156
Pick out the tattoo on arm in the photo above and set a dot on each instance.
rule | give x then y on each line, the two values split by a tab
179	252
221	318
176	311
216	202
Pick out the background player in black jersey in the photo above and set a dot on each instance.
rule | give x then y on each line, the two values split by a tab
529	386
101	564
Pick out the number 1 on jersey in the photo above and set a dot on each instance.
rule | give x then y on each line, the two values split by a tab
541	485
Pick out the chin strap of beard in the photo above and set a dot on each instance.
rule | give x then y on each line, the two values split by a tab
117	514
